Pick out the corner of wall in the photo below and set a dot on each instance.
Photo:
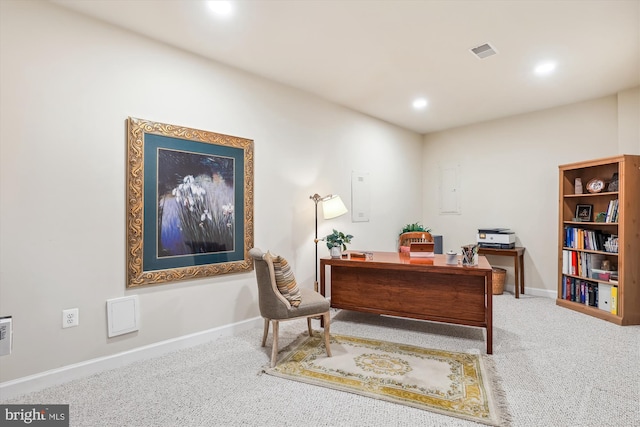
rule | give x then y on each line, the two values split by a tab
628	121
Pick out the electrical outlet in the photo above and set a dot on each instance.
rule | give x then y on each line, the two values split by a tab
6	335
70	317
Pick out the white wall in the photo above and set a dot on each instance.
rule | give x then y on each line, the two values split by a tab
67	84
509	176
629	121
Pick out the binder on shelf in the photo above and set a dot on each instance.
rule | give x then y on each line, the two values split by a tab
604	297
614	300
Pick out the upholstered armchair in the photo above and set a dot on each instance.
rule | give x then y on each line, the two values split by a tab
280	299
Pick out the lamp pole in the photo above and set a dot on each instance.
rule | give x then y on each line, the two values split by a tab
316	198
332	207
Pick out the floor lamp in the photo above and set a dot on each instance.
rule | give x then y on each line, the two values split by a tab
332	207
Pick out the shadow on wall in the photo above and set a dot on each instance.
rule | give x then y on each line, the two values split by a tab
247	301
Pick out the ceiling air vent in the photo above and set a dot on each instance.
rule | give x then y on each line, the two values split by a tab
483	51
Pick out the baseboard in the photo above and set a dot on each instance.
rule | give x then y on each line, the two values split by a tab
36	382
536	292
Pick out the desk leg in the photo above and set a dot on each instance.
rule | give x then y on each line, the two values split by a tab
521	261
516	275
489	316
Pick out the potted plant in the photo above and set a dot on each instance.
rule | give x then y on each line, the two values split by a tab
337	242
416	226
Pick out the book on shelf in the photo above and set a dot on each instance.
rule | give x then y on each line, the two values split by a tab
581	291
593	295
614	300
593	240
612	211
573	290
580	263
568	261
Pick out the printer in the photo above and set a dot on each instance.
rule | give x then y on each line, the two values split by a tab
499	238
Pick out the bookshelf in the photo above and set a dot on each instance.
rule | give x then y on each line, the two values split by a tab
585	246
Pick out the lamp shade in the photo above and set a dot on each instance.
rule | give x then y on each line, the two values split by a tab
333	207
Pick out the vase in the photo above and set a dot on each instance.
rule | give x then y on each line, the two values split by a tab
470	255
336	252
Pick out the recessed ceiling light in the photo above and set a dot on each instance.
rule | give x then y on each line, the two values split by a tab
220	7
419	103
545	68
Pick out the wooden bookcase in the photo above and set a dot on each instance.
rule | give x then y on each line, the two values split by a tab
626	228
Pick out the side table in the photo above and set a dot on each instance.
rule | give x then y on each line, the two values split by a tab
517	254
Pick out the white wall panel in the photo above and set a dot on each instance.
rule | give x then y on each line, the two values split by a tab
67	85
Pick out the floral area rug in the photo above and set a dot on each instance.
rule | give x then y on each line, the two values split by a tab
455	384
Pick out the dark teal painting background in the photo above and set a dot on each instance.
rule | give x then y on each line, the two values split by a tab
151	261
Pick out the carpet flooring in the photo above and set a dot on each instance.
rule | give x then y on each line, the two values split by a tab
557	368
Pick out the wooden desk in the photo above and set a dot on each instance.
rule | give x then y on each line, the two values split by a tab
394	284
518	260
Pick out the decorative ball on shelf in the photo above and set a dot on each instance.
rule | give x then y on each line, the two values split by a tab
596	185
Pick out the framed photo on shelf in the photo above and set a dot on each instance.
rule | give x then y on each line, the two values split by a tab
584	213
189	203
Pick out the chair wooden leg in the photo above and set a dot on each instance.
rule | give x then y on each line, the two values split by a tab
309	326
266	332
274	350
327	319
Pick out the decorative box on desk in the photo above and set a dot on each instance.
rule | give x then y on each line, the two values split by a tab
421	250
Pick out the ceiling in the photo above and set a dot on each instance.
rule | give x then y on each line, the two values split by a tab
377	56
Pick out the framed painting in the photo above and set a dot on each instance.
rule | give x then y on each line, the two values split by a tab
189	203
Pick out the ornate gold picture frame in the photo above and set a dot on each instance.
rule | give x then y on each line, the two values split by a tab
189	203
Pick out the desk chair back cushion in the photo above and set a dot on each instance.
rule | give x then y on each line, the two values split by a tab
286	281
